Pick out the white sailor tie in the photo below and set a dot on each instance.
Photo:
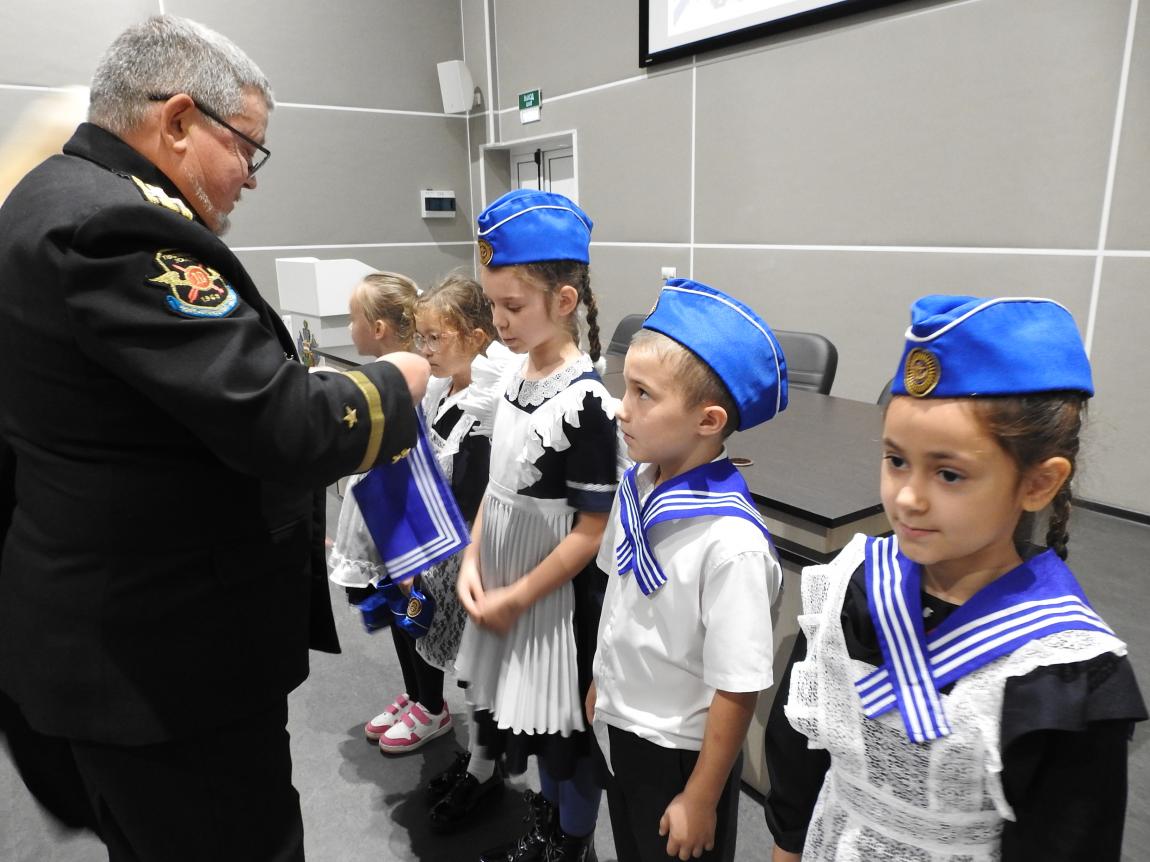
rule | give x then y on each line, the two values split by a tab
1038	598
714	488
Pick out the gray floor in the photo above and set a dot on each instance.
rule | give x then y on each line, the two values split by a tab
360	806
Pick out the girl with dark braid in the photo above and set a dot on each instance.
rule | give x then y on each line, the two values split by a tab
952	694
528	581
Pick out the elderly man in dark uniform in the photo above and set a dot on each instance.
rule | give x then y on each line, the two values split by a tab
161	448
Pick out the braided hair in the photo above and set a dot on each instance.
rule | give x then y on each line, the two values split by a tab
1033	428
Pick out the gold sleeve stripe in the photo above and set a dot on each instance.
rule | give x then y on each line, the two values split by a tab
375	414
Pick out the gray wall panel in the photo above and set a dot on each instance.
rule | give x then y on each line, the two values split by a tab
861	300
361	53
475	46
352	177
425	265
626	280
563	47
981	123
56	42
477	129
13	104
1115	469
1130	210
634	158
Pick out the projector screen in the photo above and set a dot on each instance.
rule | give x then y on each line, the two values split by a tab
675	28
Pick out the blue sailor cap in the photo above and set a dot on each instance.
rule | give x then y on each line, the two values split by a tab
964	346
731	339
525	226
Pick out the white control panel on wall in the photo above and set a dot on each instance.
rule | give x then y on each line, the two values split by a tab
437	203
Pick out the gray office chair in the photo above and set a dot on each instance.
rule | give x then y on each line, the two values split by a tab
621	337
885	396
812	360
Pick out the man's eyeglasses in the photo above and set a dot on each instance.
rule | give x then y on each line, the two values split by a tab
253	166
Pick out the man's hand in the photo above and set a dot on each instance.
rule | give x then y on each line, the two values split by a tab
589	704
414	369
689	824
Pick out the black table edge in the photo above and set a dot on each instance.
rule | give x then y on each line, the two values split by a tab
814	518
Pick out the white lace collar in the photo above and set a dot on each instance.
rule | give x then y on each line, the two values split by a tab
532	393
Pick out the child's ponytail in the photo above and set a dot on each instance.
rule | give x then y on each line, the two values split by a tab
390	297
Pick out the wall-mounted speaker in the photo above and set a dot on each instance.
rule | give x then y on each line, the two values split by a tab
456	87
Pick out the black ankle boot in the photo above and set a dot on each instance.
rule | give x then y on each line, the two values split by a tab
440	784
529	847
568	848
465	801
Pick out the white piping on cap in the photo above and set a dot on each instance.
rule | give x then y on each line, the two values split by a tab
910	336
753	322
539	207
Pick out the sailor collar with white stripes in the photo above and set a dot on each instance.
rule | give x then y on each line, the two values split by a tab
714	488
1038	598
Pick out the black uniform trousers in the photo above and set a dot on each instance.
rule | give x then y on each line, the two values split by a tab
646	778
224	795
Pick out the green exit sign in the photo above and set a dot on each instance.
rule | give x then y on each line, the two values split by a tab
530	99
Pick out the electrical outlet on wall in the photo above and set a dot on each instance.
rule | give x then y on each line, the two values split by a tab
668	272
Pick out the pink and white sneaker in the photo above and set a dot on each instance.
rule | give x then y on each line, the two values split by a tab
379	725
414	729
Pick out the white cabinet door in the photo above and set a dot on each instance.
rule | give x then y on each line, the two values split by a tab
552	170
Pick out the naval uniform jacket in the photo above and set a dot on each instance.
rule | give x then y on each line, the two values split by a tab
163	455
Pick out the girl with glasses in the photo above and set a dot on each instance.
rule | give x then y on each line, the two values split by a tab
453	329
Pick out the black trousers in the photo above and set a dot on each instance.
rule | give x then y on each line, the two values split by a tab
424	681
219	796
646	778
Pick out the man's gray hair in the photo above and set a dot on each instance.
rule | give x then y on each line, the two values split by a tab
165	55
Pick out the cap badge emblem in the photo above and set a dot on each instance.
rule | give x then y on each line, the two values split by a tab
921	373
485	252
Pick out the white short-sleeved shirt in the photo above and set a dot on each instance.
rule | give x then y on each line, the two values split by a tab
661	657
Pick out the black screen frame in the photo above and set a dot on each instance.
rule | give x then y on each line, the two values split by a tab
830	10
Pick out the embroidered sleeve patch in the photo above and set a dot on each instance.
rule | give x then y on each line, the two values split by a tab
193	289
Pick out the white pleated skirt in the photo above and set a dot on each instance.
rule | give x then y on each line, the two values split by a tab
527	679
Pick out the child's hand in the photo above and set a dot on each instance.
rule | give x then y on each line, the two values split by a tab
499	609
689	824
405	586
589	704
469	588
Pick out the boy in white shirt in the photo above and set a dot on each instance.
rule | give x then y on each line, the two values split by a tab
685	638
